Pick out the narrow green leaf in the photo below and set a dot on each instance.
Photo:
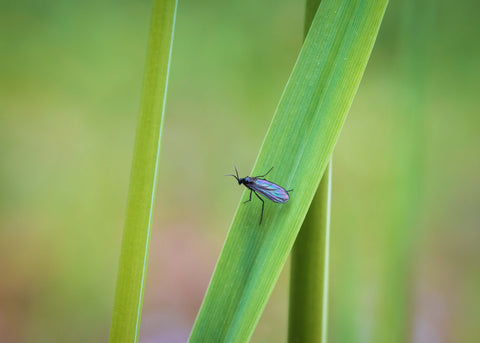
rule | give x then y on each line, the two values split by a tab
299	144
307	319
136	233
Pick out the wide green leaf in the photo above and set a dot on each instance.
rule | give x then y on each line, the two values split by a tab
299	143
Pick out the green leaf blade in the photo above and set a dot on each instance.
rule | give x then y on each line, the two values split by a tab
299	144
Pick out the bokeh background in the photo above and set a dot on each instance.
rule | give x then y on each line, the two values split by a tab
406	195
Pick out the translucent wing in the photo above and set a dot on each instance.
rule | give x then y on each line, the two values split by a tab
270	191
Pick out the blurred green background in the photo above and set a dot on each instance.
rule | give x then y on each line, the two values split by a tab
406	196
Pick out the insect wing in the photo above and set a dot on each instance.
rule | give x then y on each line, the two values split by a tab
271	191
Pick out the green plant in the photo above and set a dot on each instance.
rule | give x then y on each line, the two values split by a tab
308	296
299	142
127	308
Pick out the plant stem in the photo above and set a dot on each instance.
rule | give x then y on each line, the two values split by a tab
309	270
128	301
307	321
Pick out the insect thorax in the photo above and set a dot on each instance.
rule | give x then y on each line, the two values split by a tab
249	180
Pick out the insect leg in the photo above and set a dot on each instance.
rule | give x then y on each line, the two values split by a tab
250	197
265	173
263	205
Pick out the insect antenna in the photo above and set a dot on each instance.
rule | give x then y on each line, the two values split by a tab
236	172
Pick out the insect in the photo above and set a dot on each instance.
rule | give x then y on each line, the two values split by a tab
266	188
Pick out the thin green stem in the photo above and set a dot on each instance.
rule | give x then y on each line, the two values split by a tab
136	233
307	320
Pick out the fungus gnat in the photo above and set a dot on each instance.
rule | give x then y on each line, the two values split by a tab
267	189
